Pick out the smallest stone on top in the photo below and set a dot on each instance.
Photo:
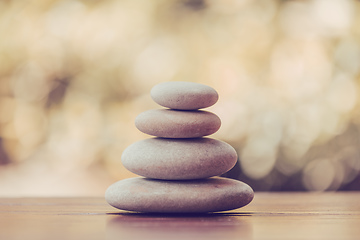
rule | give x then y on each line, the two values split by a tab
184	95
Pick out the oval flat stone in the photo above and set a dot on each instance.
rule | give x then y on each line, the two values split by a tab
176	159
184	95
168	123
195	196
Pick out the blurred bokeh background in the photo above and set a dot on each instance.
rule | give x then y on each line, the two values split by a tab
74	74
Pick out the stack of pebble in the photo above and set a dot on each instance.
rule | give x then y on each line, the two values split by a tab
179	164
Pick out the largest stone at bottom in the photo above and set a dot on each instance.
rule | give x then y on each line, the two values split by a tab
193	196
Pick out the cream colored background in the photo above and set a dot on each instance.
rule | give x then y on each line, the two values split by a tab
75	74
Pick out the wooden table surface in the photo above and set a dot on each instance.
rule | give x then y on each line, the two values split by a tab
269	216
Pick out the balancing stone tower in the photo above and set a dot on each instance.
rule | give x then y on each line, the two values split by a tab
179	165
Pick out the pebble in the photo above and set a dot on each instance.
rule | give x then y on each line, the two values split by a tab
169	123
184	95
161	196
179	159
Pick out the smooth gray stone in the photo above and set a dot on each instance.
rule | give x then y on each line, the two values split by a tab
177	159
168	123
196	196
184	95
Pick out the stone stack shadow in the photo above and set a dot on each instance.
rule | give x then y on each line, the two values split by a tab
178	166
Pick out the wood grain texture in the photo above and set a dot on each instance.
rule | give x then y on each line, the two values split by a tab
269	216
